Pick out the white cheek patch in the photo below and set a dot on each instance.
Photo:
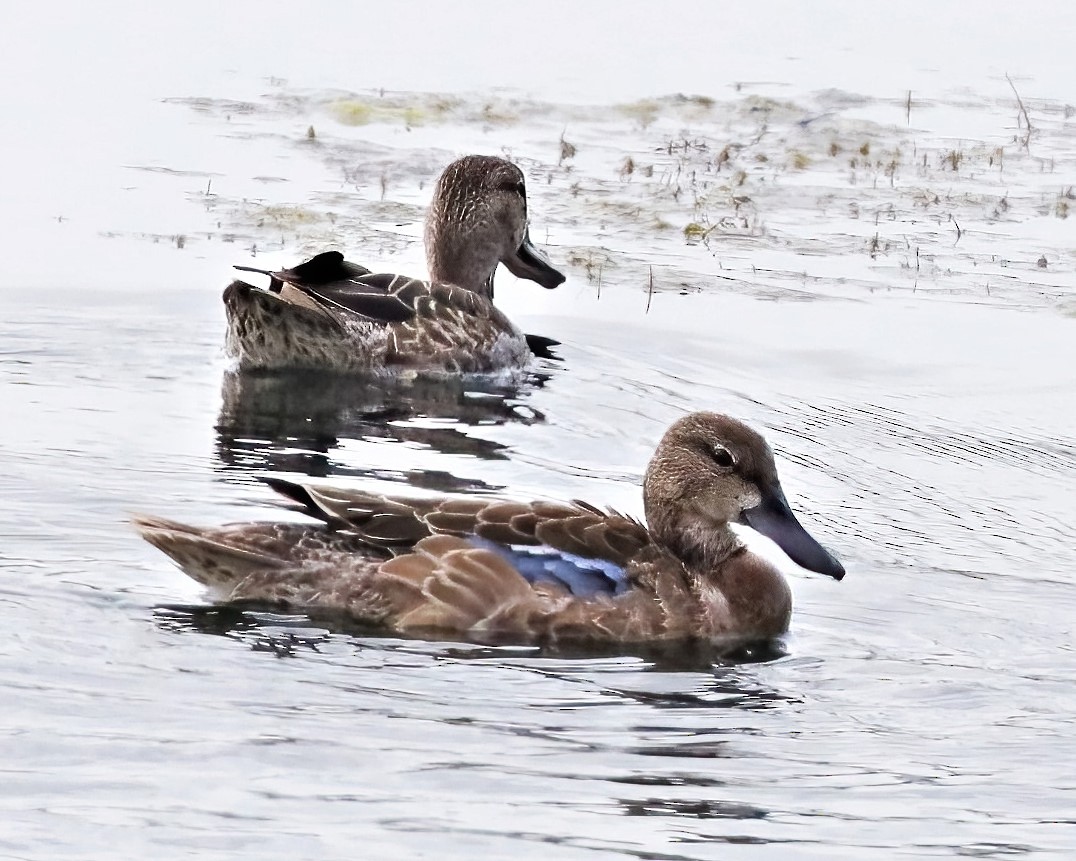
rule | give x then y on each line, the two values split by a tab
751	496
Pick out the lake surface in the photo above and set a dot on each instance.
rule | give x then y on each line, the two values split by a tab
755	218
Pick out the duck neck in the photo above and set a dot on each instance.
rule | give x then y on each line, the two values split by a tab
459	261
701	545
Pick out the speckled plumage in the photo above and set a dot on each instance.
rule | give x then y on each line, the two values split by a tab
330	314
422	564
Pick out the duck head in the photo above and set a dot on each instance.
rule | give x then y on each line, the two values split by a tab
710	470
478	218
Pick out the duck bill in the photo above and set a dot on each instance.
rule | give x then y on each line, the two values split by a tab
530	263
774	519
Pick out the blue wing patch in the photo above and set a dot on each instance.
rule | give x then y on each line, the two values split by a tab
581	576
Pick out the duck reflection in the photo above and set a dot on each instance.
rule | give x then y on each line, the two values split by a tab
294	421
694	808
726	689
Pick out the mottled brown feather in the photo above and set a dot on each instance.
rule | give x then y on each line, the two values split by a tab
462	585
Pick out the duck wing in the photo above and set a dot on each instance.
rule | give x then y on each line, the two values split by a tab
575	545
334	283
448	583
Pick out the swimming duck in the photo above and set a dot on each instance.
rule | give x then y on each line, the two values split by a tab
330	314
531	571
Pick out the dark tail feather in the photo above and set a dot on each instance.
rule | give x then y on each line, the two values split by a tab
297	494
324	268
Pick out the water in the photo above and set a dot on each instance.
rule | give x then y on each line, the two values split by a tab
917	388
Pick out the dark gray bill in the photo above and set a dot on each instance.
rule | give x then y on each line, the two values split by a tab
774	519
530	263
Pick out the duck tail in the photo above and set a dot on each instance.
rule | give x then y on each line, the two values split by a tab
206	555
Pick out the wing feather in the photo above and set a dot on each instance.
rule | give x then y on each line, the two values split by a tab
448	583
399	522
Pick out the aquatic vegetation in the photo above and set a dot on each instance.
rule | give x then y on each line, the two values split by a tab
290	216
752	185
644	111
567	151
352	112
356	110
695	232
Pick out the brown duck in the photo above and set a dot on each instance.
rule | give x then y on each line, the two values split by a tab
334	315
531	571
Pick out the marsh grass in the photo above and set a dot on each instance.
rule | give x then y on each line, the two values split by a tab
673	190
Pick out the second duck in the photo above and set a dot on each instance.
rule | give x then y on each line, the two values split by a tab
334	315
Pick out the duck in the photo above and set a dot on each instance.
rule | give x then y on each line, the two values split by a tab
493	569
331	314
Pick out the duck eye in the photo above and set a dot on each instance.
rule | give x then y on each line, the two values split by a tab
723	457
519	187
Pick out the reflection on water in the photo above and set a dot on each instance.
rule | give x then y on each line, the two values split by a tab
264	627
294	421
696	809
